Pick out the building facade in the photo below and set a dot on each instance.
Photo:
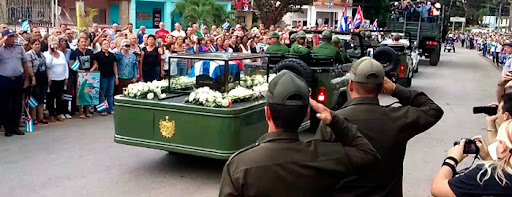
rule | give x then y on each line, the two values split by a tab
329	11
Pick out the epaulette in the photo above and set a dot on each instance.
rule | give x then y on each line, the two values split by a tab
243	150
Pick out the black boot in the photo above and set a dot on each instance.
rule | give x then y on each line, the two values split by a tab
17	131
7	133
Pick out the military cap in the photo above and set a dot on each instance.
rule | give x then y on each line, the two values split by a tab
336	40
273	34
293	36
367	70
288	89
7	32
326	34
301	34
89	84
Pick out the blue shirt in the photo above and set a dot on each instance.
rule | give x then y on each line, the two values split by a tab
127	68
507	65
424	10
140	36
11	60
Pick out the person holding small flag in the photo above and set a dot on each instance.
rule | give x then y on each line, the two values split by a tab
37	61
58	74
81	60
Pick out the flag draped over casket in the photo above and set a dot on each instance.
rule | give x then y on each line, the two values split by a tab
214	68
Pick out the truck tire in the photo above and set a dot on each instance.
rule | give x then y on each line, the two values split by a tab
434	57
298	67
387	57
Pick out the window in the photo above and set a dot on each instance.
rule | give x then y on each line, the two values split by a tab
101	18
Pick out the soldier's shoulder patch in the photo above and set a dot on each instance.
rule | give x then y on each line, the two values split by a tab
243	150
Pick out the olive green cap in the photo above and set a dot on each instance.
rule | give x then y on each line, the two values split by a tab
89	84
293	36
273	34
336	40
326	34
301	34
288	89
367	70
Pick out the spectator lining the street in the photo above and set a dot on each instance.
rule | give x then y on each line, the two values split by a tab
150	61
58	75
36	60
107	66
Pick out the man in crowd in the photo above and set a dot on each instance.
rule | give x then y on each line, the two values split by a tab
36	34
115	27
279	164
178	31
95	31
508	64
128	28
70	34
387	128
14	76
57	32
142	32
300	47
85	57
275	46
195	30
326	48
161	33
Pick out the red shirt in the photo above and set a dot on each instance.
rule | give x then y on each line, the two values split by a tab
162	33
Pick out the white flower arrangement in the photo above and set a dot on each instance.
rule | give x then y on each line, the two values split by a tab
251	81
208	97
153	90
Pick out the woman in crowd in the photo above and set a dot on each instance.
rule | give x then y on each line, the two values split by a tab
227	46
127	69
202	47
181	64
285	37
108	75
233	44
244	47
218	44
169	65
492	178
189	46
57	69
150	61
37	62
134	46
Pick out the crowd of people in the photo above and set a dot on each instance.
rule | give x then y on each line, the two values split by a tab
490	44
426	10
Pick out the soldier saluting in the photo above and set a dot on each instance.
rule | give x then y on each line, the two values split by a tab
279	164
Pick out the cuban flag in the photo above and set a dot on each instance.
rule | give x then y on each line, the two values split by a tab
225	26
75	65
376	25
212	48
32	103
359	18
29	125
349	23
25	26
343	23
67	97
214	68
101	107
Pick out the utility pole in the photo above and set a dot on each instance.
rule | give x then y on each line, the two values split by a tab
499	16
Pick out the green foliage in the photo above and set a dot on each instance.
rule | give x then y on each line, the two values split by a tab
257	25
87	19
373	9
205	12
270	12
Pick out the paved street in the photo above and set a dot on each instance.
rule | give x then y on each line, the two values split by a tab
79	157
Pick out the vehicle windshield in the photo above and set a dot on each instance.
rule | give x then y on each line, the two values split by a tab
349	42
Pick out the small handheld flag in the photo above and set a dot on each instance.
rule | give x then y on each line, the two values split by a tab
101	107
67	97
32	103
375	25
75	65
344	22
225	26
25	26
29	124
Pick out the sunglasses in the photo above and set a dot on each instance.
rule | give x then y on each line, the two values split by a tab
127	45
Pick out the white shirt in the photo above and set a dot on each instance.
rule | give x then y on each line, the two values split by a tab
96	48
492	150
507	65
57	68
435	12
165	57
177	33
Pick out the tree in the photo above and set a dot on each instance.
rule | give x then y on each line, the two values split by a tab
270	12
374	9
205	12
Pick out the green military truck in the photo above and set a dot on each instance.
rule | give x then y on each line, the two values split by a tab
427	35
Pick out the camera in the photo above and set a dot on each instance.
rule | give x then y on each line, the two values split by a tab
489	110
470	146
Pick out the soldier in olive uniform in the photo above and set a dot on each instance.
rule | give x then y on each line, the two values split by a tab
326	48
14	76
337	43
387	128
293	39
300	46
279	164
275	46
